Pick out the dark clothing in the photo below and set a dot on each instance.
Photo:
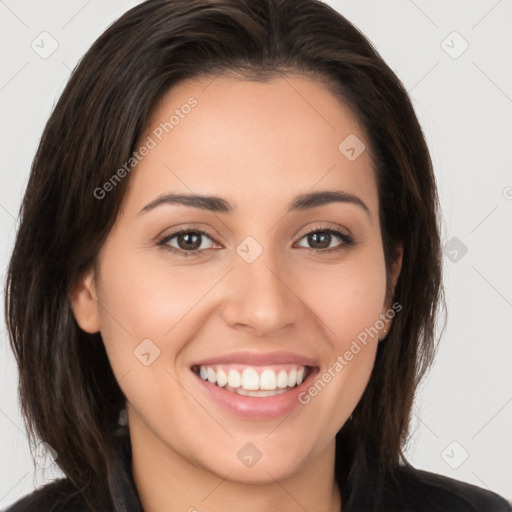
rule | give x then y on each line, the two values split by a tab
421	491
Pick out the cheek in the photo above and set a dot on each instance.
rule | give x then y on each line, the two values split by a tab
348	297
348	301
138	302
147	300
144	299
146	320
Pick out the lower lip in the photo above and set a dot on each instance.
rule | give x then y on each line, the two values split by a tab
252	407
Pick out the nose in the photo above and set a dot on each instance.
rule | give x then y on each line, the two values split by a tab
261	298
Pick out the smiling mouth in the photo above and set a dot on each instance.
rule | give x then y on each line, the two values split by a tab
255	381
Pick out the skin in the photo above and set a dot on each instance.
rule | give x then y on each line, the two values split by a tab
258	145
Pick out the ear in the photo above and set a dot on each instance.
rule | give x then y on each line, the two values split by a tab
396	267
84	303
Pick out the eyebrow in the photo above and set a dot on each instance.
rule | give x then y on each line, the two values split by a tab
218	205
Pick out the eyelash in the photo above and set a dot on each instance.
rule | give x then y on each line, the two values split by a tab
347	240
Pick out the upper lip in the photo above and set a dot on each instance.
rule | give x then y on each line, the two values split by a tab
258	359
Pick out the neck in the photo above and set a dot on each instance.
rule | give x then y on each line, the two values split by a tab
166	481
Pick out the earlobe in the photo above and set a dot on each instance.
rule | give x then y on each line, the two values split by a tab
84	303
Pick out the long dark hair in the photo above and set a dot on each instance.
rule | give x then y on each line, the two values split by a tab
69	395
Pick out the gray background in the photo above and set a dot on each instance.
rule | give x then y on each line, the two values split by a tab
463	416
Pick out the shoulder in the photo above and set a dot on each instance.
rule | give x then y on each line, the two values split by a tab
57	496
429	492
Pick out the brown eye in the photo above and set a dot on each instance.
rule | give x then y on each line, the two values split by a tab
186	242
189	241
319	239
322	239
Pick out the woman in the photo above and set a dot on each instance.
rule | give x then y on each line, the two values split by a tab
226	277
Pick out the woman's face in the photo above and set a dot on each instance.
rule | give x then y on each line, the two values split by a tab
269	296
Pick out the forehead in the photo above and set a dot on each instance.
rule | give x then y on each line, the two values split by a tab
251	139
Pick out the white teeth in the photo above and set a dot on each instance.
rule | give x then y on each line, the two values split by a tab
282	379
249	382
268	379
234	379
222	378
212	375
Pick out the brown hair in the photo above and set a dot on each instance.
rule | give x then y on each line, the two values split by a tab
69	395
